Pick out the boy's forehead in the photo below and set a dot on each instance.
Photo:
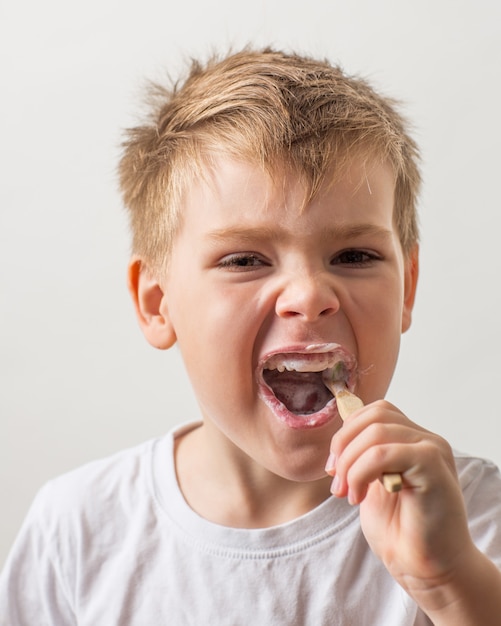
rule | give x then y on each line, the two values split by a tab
229	179
235	197
235	180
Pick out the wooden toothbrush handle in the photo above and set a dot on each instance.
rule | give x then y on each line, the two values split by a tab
347	403
392	482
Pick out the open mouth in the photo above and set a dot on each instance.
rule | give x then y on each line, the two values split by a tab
294	388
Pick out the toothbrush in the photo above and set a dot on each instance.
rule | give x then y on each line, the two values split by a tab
348	403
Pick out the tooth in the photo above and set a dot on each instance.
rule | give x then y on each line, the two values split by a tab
302	363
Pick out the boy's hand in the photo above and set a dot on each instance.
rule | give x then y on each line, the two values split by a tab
420	533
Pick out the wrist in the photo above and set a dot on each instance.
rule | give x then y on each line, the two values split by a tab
468	596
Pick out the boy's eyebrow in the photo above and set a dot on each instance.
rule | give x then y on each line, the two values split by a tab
276	233
347	231
250	233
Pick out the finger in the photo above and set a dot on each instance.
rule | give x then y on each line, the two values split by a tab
374	463
424	466
381	412
373	435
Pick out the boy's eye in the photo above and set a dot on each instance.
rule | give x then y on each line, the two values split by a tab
358	258
242	261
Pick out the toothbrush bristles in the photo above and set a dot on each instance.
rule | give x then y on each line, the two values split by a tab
339	372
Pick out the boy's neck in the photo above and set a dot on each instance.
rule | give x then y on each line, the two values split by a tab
240	495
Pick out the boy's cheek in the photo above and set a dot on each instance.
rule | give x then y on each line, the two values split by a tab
410	287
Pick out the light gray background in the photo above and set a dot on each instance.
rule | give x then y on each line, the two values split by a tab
77	379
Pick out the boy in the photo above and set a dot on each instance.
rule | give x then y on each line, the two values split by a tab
272	204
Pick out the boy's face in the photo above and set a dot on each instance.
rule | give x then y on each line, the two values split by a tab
254	282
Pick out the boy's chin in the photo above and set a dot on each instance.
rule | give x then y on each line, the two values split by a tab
307	471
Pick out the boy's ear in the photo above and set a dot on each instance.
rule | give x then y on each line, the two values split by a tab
151	307
411	272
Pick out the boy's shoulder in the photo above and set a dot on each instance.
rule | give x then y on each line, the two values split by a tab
480	481
114	487
471	467
106	486
109	467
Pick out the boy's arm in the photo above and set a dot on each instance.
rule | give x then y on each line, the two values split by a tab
422	533
471	598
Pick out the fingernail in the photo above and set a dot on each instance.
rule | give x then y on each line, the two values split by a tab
335	486
330	466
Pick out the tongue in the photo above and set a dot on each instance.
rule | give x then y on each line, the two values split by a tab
301	392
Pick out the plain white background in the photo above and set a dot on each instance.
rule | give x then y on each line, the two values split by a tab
77	379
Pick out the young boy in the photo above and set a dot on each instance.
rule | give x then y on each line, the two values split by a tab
272	203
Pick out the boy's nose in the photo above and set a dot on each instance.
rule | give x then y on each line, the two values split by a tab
307	296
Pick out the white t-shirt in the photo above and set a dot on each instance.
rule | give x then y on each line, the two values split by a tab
115	544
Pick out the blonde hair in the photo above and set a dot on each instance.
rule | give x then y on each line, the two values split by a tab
267	107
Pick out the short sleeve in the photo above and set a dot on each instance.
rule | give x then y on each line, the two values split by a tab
481	484
33	587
